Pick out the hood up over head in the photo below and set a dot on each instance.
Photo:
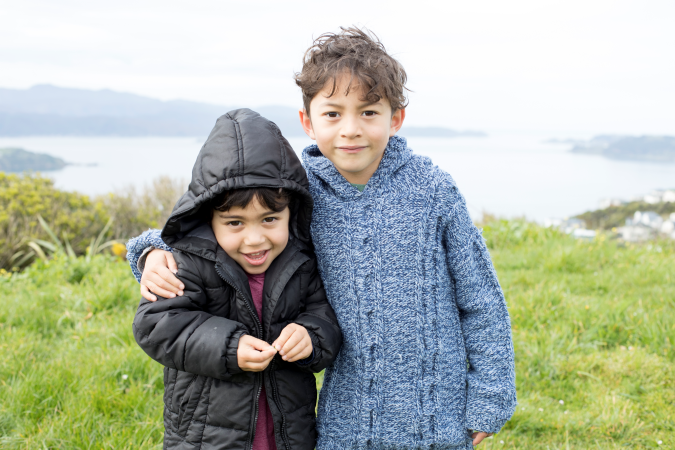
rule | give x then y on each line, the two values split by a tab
244	150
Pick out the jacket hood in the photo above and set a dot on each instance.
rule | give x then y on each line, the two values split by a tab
396	155
244	150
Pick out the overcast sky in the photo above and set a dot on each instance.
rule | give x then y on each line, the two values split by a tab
591	66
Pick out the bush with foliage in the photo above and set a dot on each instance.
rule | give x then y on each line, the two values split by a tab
25	197
75	218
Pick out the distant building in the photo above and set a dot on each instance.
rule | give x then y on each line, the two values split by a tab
660	196
636	233
668	227
646	218
669	196
609	202
653	197
569	225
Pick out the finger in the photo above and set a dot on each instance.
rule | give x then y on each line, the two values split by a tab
166	280
478	438
260	345
283	337
292	341
255	356
146	294
158	290
171	262
155	282
300	351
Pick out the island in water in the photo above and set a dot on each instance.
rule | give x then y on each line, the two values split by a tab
636	148
20	160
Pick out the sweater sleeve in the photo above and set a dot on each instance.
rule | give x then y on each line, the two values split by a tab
137	245
486	327
178	333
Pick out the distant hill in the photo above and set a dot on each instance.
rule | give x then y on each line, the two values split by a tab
638	148
46	110
20	160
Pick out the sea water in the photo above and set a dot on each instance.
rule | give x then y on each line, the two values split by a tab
506	174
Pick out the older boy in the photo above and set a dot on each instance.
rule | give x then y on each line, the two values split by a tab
427	359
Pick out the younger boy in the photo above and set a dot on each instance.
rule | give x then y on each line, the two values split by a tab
241	234
427	359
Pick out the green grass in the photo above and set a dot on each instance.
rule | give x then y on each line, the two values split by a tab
593	326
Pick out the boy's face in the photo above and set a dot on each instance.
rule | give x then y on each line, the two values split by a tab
350	132
253	236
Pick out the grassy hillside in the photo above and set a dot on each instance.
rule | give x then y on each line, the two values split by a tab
593	327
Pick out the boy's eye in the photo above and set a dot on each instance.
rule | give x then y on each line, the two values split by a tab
369	113
269	219
234	223
332	115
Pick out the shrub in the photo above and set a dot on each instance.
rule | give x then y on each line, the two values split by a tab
69	214
75	217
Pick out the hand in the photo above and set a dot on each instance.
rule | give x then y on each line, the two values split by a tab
159	276
294	343
254	355
478	436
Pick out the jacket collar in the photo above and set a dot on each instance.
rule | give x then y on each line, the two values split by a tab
396	154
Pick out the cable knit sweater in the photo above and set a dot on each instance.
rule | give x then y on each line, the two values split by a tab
427	351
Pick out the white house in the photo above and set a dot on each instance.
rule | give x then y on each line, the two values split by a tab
609	202
647	218
636	233
669	196
668	227
653	197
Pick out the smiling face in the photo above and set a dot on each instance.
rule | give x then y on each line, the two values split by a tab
351	132
253	236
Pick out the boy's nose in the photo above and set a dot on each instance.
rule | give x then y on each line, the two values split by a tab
350	128
254	238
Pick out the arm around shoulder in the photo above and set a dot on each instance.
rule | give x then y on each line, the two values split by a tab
136	248
178	333
486	326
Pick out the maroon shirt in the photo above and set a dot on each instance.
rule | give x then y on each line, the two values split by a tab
264	431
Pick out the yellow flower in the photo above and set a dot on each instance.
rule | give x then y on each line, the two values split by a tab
119	249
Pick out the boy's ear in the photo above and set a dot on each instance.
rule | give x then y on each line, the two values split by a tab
306	123
396	122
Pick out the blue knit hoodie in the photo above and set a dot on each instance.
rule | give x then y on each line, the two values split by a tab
427	350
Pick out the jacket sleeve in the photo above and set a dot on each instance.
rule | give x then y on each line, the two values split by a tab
179	334
137	245
486	327
320	321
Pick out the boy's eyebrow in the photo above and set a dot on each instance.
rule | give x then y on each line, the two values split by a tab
337	105
224	215
229	216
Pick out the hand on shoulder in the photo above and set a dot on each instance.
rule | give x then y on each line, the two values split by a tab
159	276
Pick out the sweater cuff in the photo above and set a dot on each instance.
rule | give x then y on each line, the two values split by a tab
137	245
486	419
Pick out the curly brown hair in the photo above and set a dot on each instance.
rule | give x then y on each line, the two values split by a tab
359	53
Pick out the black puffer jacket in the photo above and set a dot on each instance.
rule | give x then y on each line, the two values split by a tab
210	403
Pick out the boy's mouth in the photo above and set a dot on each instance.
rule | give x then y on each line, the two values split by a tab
256	258
352	148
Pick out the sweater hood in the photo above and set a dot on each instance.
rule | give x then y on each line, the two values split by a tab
244	150
396	155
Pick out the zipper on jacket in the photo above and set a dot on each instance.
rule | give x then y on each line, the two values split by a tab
275	396
251	435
